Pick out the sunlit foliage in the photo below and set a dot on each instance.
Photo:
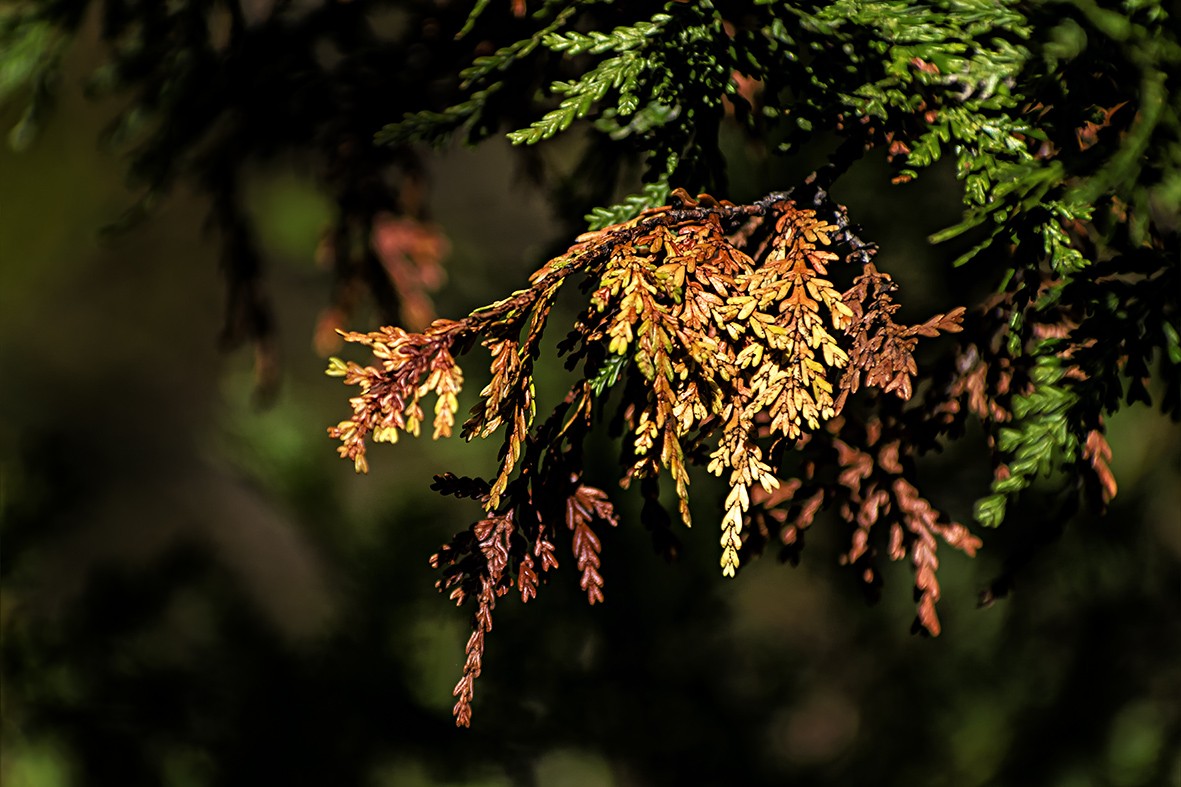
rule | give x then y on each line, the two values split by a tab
757	341
721	325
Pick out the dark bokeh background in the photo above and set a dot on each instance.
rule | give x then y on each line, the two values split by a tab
199	592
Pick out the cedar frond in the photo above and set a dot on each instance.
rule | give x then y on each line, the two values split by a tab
726	312
725	327
586	505
1097	454
923	524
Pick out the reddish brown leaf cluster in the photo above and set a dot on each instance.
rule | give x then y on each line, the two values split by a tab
381	245
411	252
866	473
1097	453
481	562
492	537
882	354
587	505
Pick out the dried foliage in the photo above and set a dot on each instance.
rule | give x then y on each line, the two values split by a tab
722	326
757	341
866	473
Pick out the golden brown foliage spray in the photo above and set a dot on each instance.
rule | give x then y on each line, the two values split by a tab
724	327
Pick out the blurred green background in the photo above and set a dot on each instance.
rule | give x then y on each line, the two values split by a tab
196	591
